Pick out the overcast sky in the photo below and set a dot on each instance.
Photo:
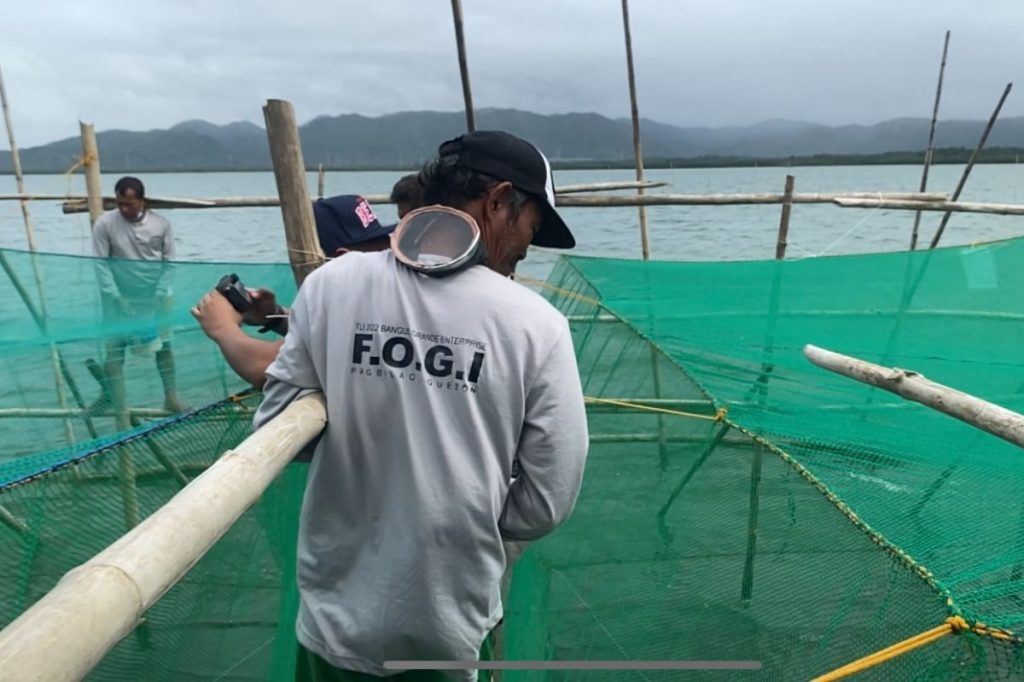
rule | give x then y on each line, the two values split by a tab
142	65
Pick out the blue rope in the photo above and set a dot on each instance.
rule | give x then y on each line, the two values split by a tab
23	478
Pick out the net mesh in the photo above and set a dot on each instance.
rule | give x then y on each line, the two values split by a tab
738	503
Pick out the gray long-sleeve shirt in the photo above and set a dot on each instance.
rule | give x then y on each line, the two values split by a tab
433	387
136	255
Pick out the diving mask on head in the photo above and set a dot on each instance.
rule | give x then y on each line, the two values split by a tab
438	241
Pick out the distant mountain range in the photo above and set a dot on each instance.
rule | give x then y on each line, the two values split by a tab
406	140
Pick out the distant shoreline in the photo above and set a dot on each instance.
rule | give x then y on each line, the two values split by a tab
995	155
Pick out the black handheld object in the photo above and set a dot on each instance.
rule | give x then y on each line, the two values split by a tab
232	289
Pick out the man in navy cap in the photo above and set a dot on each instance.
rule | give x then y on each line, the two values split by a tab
343	223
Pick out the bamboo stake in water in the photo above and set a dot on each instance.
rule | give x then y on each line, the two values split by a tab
19	179
787	207
931	139
55	360
320	181
645	247
970	165
460	43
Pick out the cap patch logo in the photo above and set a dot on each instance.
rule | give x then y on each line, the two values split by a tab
365	213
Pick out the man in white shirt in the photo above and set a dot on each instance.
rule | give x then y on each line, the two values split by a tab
136	246
434	385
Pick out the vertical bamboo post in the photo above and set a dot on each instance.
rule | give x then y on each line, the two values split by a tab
931	140
40	321
290	173
460	44
645	247
787	207
320	181
753	506
91	162
760	386
19	178
970	165
118	392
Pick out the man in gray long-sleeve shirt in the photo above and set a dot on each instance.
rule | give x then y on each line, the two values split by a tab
136	246
434	385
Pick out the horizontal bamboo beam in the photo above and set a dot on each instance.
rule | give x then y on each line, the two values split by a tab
998	421
736	199
67	632
60	413
77	204
608	186
944	206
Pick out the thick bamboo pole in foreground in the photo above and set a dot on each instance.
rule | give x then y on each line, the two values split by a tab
67	632
304	252
979	413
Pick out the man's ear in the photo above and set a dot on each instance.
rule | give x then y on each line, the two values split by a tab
498	199
339	252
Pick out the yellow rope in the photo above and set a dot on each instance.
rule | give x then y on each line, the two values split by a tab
559	290
717	417
81	161
952	625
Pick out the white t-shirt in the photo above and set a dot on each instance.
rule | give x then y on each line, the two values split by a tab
433	387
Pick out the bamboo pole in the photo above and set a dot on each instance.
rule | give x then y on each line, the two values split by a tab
634	112
460	44
134	413
603	186
970	165
787	207
19	178
290	173
67	632
727	199
12	521
40	322
945	206
979	413
569	199
161	456
91	161
320	181
753	508
931	139
55	360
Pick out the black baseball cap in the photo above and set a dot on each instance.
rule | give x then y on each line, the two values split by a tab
508	158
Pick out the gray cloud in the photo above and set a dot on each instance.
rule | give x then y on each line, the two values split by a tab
699	62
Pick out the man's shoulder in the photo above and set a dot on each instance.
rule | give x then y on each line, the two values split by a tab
158	220
354	264
515	302
106	220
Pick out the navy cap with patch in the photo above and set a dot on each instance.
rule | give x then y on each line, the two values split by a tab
345	220
508	158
